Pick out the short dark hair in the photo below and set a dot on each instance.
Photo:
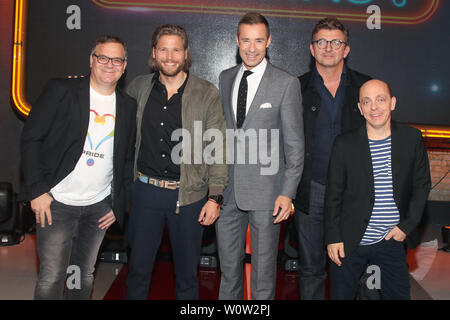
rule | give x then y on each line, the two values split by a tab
331	23
254	18
169	29
109	39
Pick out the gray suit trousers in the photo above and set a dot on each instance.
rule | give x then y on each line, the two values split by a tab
231	230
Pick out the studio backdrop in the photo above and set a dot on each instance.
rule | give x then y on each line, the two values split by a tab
404	42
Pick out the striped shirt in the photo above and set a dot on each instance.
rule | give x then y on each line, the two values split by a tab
385	215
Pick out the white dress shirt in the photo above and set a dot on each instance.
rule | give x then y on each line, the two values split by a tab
253	81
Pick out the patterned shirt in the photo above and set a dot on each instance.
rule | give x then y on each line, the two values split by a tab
385	215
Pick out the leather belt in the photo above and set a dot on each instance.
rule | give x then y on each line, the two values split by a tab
167	184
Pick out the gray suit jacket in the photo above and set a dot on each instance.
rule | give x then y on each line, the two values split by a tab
274	157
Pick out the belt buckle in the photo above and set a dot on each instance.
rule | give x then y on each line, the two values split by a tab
161	183
171	185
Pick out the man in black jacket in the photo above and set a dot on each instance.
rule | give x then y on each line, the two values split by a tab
330	95
377	187
77	151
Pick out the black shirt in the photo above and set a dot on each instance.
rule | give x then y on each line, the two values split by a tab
161	117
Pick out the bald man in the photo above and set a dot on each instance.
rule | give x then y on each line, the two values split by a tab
377	187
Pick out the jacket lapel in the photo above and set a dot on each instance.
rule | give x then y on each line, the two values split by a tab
395	155
84	105
261	92
366	159
228	89
118	126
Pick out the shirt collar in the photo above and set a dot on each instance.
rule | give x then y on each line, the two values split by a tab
259	69
180	89
318	77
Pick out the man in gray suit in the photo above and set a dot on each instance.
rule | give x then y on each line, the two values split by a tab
263	111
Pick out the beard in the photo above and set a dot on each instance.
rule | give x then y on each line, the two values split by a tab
170	72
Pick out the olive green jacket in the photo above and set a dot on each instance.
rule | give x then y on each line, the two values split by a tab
200	104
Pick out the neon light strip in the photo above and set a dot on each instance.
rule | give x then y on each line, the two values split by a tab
18	72
433	131
419	18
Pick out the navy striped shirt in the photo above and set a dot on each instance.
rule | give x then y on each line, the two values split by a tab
385	215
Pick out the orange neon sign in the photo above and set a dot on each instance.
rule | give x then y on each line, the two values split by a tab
18	67
306	10
433	131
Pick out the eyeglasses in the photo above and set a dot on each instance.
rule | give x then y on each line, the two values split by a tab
335	43
105	60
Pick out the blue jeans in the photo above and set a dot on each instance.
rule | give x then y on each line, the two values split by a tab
73	239
312	254
389	258
151	208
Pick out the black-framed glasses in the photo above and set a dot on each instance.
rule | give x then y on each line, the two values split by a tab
335	43
105	60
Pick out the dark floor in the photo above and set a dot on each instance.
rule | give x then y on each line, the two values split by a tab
429	269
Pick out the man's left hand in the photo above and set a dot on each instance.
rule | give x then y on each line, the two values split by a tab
282	209
397	234
107	220
209	214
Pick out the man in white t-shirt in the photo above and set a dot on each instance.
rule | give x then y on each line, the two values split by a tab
77	151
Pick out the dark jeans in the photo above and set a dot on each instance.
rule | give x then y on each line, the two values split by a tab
312	273
389	268
151	208
73	239
312	254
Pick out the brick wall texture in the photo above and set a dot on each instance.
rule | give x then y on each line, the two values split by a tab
440	175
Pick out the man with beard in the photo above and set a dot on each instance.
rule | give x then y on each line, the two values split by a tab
166	190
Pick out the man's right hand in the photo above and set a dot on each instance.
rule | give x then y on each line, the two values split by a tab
336	251
41	209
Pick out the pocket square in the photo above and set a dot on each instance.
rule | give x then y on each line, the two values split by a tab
266	105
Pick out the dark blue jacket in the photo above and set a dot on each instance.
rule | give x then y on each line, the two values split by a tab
350	118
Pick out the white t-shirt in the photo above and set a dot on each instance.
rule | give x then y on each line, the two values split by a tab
90	181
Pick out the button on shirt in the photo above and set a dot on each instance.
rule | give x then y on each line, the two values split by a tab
253	81
161	117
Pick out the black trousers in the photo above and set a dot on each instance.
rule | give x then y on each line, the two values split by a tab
151	209
387	269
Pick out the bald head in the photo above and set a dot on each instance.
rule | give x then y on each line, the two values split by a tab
375	84
376	104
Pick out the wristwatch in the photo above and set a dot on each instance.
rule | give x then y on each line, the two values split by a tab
216	198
